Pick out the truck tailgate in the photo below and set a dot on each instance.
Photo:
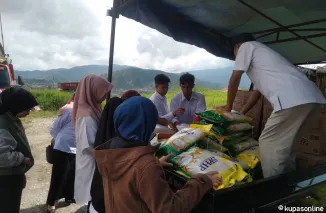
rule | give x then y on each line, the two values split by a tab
259	196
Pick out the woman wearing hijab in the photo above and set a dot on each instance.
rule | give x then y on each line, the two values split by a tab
64	157
91	92
104	133
15	153
133	178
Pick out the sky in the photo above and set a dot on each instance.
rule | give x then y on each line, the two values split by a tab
48	34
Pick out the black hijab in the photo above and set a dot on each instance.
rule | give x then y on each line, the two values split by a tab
16	100
106	129
104	133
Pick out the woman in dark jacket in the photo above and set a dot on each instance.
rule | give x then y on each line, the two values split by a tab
15	154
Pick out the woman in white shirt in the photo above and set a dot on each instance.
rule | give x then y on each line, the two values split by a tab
91	92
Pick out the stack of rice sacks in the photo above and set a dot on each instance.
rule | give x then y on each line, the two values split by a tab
233	131
210	146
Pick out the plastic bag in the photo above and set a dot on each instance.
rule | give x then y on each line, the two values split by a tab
181	141
250	156
239	127
197	160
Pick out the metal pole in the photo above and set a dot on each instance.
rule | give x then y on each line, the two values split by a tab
114	14
3	44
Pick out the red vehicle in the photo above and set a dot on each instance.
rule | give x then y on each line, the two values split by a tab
6	76
68	86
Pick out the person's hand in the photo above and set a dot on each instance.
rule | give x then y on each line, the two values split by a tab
217	181
173	126
178	111
163	121
28	161
220	108
164	160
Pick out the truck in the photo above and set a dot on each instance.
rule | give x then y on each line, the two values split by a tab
293	28
7	74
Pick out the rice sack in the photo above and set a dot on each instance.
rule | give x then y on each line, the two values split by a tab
251	157
217	130
235	117
244	145
181	141
239	127
219	117
211	117
197	160
210	144
235	147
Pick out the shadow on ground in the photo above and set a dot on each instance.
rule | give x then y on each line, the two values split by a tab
42	209
34	209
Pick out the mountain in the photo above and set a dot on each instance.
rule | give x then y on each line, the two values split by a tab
132	77
124	77
220	76
72	74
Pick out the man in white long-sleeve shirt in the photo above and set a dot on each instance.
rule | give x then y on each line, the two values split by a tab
159	99
185	104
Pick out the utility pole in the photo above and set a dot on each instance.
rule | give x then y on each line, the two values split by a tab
114	13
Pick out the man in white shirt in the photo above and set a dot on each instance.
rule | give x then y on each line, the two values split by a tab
295	99
185	104
159	99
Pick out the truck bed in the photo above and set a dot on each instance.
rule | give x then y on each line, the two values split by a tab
263	195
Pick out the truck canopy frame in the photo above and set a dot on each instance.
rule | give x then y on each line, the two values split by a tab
289	27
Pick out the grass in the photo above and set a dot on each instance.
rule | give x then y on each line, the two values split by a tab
52	100
213	97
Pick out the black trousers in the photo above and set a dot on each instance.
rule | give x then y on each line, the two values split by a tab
62	178
11	188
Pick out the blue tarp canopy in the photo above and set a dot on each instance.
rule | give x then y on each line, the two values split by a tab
294	28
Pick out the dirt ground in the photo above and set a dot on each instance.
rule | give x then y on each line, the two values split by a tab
38	178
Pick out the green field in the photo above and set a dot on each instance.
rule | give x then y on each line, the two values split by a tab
52	100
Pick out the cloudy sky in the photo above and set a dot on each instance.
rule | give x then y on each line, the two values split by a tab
46	34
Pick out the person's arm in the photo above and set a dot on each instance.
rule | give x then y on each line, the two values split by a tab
87	128
169	116
173	107
59	122
242	64
233	89
8	156
163	121
154	190
255	96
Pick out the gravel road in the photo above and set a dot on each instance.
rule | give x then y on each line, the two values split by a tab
38	178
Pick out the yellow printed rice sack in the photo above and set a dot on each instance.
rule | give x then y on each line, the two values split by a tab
181	141
250	156
197	160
